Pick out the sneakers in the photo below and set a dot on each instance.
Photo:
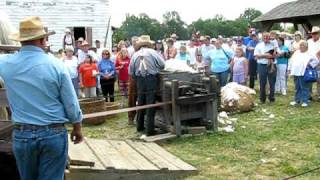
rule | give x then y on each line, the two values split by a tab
304	105
293	103
284	93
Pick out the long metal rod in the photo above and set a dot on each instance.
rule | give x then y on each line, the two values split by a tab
118	111
301	174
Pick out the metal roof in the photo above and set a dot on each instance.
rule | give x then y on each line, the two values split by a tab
300	8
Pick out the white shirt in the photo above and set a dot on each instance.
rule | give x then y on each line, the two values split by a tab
192	53
263	48
72	66
131	51
299	61
235	46
313	46
82	56
205	49
99	53
177	45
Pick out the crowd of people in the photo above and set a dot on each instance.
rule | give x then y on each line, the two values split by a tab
268	57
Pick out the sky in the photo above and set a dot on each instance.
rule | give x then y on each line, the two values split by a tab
189	10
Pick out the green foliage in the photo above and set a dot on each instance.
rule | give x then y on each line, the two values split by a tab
277	26
172	23
136	26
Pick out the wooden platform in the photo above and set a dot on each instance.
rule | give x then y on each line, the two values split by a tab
109	159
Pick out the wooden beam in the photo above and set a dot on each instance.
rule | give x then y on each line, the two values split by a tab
118	111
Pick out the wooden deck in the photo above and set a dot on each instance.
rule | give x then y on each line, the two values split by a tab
109	159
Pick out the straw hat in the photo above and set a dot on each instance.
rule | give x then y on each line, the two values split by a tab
144	40
298	33
30	28
315	29
69	48
85	43
174	36
80	39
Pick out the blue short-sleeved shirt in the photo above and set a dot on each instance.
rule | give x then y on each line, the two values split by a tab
283	60
250	54
39	88
219	60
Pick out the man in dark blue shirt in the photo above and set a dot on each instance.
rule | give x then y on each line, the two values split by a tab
250	56
248	38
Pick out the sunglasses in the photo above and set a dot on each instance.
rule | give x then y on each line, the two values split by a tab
107	54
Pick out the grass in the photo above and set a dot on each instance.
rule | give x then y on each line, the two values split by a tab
260	148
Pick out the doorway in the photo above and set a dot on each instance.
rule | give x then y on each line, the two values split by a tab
84	32
79	32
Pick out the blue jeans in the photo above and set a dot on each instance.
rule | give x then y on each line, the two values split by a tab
302	90
264	77
222	77
41	154
75	83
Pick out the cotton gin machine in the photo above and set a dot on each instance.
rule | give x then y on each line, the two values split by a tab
194	100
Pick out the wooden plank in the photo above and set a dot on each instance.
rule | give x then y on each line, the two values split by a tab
117	160
118	111
6	129
196	130
99	150
133	156
82	155
160	137
5	147
169	157
155	158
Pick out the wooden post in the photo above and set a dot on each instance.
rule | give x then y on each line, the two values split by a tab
215	104
175	107
166	109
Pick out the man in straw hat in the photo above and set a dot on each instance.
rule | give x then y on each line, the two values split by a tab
144	67
85	51
42	100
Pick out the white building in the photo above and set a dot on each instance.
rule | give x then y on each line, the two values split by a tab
86	18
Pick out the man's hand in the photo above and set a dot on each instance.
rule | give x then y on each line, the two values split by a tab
76	134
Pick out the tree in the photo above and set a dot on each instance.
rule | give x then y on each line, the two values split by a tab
172	23
249	15
137	26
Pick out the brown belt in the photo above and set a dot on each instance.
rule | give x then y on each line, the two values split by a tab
36	127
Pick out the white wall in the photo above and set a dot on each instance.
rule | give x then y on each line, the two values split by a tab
59	14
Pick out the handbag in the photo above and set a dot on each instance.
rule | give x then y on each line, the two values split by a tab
310	75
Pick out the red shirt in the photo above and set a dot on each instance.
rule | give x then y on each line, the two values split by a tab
122	65
86	72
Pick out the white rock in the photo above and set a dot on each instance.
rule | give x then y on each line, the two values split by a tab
229	122
243	127
234	119
221	121
143	137
223	114
228	129
271	116
263	161
274	149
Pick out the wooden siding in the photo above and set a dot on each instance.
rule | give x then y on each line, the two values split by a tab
59	14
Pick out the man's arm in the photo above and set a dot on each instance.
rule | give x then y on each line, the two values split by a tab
71	105
159	59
